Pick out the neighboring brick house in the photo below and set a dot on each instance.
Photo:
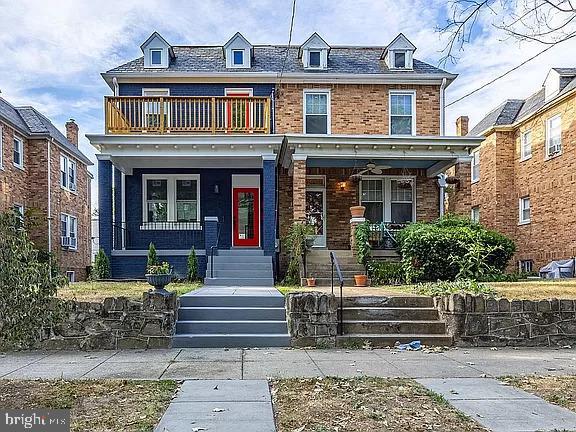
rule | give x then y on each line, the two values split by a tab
56	211
259	136
523	182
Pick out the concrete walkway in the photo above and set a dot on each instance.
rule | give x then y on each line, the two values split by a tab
220	406
501	408
222	363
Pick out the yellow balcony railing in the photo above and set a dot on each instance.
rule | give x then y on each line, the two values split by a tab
186	114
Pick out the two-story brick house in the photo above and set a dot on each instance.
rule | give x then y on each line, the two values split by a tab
228	145
45	177
522	176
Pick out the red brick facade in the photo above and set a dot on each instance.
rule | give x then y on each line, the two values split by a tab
29	187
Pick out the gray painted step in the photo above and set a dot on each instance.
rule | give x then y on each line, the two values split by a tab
223	272
231	281
240	252
231	301
389	314
240	259
231	341
241	265
367	301
395	327
231	313
231	327
389	340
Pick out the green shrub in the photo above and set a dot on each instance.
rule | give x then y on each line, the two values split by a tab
159	269
295	243
386	273
453	287
27	287
192	266
362	243
452	248
152	257
101	268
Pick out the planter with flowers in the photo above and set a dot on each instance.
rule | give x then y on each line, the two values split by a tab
159	275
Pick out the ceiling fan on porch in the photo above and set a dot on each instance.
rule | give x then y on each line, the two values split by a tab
370	169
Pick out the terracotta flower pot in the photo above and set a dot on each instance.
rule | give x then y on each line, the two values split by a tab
357	211
311	282
361	280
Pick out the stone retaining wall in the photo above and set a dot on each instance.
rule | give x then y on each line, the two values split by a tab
312	319
479	321
115	323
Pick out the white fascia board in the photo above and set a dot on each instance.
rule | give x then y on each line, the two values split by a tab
370	140
185	140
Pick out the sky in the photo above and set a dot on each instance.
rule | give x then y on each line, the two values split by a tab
53	51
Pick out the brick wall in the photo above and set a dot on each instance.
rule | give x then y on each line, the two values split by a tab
357	109
13	181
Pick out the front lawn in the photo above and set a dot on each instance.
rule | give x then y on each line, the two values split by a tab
363	404
98	291
556	390
97	405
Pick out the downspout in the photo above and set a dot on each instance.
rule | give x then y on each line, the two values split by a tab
116	86
442	185
442	106
49	210
273	111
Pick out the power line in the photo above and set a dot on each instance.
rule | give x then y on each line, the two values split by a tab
289	40
492	81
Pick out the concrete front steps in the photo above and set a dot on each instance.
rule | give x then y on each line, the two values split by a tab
230	320
240	267
318	266
383	321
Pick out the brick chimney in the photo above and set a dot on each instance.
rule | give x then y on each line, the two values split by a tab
72	132
462	126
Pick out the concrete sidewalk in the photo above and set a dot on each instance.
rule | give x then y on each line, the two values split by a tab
222	363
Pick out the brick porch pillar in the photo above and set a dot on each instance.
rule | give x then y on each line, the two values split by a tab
105	205
299	187
269	203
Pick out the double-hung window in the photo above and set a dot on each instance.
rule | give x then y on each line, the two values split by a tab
524	210
402	113
69	231
238	57
68	173
526	145
388	199
475	214
18	152
314	59
171	198
554	136
316	112
156	57
475	171
399	59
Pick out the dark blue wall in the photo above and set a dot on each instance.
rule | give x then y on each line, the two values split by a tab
211	204
189	89
133	267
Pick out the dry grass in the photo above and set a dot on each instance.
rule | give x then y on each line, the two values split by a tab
361	405
97	406
537	290
557	390
98	291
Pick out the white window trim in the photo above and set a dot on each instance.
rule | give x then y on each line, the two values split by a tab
408	60
1	147
233	52
548	127
21	146
69	160
146	106
245	57
152	50
68	218
402	92
472	165
523	135
310	51
171	195
20	208
473	210
71	275
328	94
520	211
387	193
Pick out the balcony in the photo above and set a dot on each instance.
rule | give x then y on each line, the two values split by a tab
187	114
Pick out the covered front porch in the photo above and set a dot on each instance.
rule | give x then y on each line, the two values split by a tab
184	192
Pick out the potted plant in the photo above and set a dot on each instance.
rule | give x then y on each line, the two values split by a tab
357	211
311	281
361	280
159	275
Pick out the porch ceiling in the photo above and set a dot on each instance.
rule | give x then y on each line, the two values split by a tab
314	162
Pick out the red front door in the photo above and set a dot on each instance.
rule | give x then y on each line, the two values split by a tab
246	227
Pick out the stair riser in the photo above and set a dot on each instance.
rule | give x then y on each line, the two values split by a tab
229	328
232	301
396	302
325	282
346	274
383	341
230	341
242	274
388	314
240	266
239	259
240	252
262	282
233	314
414	327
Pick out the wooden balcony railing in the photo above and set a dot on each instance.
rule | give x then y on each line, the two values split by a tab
187	114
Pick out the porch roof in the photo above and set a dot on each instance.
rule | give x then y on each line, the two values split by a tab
433	153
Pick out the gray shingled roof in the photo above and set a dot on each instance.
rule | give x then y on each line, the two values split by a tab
30	121
269	58
515	109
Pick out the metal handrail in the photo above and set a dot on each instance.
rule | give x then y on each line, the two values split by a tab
212	249
336	265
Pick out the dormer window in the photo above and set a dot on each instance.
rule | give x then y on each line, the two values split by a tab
314	59
156	57
238	52
314	53
238	57
400	59
399	53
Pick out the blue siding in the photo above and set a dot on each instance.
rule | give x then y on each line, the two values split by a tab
190	89
105	205
133	267
269	206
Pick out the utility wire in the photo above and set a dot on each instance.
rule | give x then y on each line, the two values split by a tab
289	41
492	81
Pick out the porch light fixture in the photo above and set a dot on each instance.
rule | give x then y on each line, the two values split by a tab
342	185
216	189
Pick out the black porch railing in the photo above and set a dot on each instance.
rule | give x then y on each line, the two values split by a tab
335	265
383	235
164	235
